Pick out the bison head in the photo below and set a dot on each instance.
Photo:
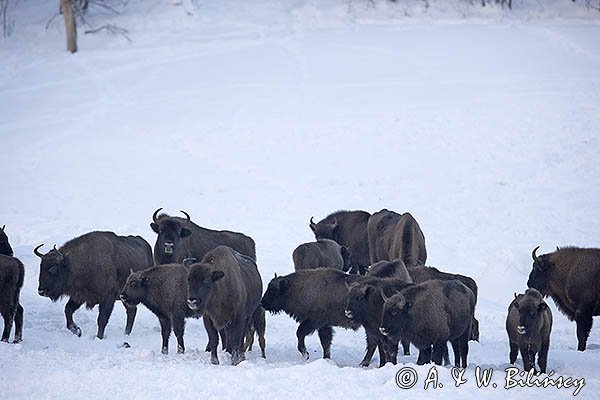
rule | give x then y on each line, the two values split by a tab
395	309
169	246
135	288
529	306
54	270
201	282
274	299
325	229
357	301
4	245
538	277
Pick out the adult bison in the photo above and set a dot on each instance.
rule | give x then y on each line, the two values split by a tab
324	253
225	287
429	315
349	229
392	235
4	245
92	269
180	238
528	324
12	274
571	276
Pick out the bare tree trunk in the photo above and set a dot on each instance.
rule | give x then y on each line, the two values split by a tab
70	25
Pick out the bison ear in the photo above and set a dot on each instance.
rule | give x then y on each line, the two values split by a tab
542	306
154	226
185	232
369	290
216	275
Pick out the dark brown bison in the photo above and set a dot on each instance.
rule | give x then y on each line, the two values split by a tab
180	238
349	229
4	245
571	276
364	305
390	269
528	324
316	299
12	274
421	274
324	253
163	289
257	326
429	315
392	235
226	288
92	269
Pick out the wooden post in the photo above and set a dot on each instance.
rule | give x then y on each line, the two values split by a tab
70	25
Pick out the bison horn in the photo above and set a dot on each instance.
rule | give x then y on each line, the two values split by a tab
36	252
533	255
515	295
188	261
384	297
154	216
186	215
3	226
312	223
56	250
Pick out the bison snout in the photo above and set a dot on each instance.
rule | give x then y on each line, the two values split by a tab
123	297
348	314
193	304
169	247
521	330
383	331
42	292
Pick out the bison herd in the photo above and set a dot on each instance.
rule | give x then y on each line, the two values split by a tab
362	270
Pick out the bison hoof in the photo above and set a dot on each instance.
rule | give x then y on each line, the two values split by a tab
18	340
125	345
214	360
305	355
364	364
180	350
5	340
76	330
165	350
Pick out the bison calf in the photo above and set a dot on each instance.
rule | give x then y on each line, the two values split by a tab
225	287
163	289
429	315
316	298
12	274
528	325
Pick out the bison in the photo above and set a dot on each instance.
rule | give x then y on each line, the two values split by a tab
528	324
180	238
92	269
429	315
390	269
225	287
421	274
571	276
392	235
12	274
364	305
316	299
4	245
324	253
163	289
349	229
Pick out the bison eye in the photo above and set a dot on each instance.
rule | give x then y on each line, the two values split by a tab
394	313
53	270
532	313
133	284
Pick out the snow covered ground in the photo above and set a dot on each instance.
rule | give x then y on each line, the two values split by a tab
255	116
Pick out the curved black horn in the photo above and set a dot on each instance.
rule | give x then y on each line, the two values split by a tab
154	218
312	223
186	215
188	261
3	226
56	250
533	255
36	252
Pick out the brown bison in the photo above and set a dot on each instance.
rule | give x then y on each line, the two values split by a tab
349	229
528	324
324	253
392	235
571	276
12	274
4	245
92	269
180	238
225	287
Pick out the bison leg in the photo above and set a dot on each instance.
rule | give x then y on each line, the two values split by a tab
438	352
178	322
213	339
165	331
70	308
305	328
528	358
235	335
326	336
260	326
8	323
514	350
543	356
18	324
391	350
406	347
131	312
371	346
424	356
583	318
106	309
